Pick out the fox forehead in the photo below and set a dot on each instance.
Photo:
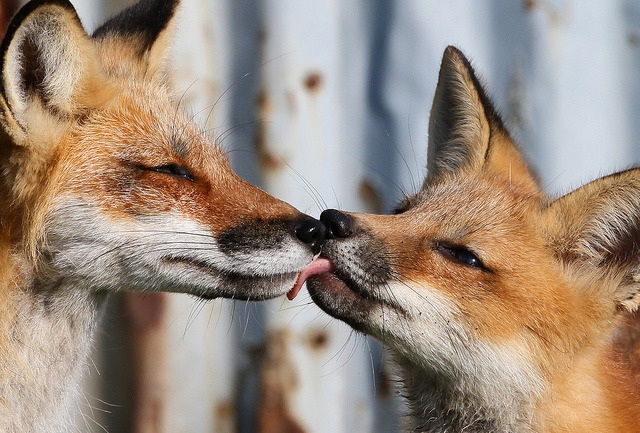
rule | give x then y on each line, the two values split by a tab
98	159
472	208
141	122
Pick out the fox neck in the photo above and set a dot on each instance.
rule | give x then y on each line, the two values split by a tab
46	338
442	403
584	385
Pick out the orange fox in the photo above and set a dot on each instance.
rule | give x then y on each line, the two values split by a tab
105	185
506	311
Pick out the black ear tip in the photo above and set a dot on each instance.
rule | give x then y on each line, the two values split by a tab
146	18
27	10
453	53
452	50
454	58
21	16
32	6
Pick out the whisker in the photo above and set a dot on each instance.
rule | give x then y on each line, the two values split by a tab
311	190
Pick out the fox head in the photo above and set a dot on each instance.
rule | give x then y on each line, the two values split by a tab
105	183
478	282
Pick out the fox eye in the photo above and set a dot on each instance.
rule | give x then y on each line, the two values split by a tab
174	170
460	254
398	210
402	207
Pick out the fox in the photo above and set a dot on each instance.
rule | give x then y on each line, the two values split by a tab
107	185
504	310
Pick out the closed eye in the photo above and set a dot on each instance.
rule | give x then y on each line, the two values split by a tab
172	169
402	207
460	254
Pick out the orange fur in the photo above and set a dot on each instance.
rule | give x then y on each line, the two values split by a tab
506	310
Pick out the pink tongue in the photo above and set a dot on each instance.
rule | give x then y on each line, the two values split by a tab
318	266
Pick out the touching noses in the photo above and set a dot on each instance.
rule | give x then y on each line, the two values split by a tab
338	224
311	232
333	224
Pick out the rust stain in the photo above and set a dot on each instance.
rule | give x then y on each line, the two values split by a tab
278	382
317	339
313	81
224	410
264	105
145	310
146	315
268	160
556	15
371	197
384	385
291	102
633	39
225	417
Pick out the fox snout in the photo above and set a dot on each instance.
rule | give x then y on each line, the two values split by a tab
351	276
311	232
272	234
260	258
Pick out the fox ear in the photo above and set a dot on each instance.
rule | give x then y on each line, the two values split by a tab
466	134
597	229
143	32
48	65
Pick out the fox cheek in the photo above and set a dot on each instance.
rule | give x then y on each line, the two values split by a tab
242	238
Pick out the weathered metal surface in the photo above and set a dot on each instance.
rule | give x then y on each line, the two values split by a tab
202	336
277	386
146	316
302	108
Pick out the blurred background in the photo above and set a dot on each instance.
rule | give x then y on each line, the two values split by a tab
325	104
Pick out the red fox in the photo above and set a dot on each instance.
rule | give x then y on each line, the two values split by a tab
104	186
506	311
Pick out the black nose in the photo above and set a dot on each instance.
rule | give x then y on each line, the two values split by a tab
311	232
338	224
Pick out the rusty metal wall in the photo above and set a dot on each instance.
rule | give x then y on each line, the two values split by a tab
325	104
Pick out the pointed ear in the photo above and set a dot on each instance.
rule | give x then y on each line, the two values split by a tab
466	134
143	33
596	229
48	66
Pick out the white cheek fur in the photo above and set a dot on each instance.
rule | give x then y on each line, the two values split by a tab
433	341
99	252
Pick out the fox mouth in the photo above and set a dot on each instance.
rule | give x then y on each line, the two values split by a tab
240	286
338	294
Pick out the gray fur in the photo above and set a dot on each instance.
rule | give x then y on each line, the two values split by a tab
49	340
444	404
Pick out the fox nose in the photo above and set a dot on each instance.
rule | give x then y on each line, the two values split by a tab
338	224
311	232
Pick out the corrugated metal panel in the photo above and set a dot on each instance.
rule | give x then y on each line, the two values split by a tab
340	93
317	364
202	336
